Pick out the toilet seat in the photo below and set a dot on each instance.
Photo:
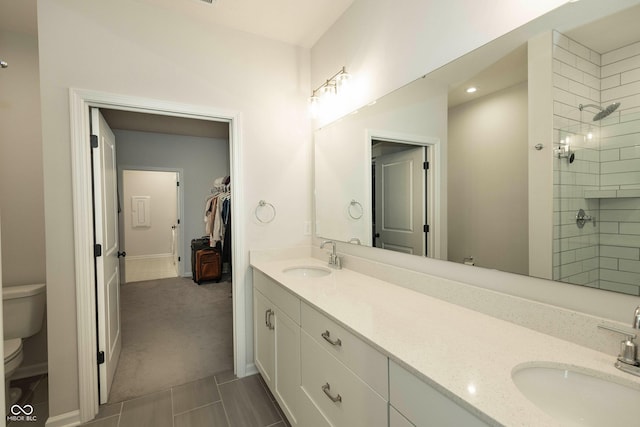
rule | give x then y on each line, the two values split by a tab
12	349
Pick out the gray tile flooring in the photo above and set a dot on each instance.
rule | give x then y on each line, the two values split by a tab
219	400
35	393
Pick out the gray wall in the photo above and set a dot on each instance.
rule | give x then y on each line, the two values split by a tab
21	182
488	193
201	159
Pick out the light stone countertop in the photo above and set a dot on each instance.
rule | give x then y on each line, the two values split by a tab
451	348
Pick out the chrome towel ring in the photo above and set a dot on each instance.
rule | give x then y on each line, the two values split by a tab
356	207
262	204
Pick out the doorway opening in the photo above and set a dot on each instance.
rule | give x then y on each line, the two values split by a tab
154	327
150	226
86	274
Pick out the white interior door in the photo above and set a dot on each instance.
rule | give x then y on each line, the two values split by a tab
106	260
400	194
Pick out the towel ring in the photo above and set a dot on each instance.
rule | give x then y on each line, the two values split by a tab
351	205
262	204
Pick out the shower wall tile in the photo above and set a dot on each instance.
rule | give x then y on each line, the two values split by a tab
617	92
620	252
605	164
621	53
565	56
610	155
630	152
609	263
630	76
588	67
620	287
609	82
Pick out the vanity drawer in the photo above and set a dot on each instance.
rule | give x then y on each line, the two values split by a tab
422	405
285	300
366	362
343	398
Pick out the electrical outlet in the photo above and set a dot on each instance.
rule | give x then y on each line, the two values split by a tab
307	228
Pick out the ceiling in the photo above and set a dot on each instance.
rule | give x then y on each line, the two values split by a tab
603	35
296	22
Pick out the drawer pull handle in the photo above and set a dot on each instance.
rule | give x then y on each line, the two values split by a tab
267	319
327	390
327	337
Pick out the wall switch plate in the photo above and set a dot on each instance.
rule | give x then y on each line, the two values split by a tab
307	228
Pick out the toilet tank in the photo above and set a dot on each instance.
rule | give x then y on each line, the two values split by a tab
23	310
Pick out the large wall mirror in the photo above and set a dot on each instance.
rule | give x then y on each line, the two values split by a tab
436	171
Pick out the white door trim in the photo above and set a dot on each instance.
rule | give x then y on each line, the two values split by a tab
434	157
80	100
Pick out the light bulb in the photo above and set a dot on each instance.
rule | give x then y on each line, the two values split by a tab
314	106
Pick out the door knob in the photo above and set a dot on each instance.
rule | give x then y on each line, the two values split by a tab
122	254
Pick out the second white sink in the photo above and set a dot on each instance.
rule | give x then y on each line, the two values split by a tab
577	397
307	271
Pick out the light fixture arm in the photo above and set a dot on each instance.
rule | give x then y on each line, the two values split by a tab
331	81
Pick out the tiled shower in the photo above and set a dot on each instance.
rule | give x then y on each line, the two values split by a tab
604	178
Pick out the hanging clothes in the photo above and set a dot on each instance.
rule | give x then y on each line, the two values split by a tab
218	213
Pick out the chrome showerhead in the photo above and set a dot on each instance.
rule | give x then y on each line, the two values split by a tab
3	64
604	112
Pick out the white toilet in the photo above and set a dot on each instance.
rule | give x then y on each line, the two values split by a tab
23	311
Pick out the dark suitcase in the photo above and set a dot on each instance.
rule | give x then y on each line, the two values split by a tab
208	265
196	245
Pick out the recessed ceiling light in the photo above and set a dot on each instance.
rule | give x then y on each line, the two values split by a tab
471	89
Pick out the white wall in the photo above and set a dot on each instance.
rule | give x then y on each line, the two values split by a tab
386	46
136	49
21	184
201	160
487	176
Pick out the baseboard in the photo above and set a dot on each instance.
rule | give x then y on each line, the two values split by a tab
134	257
250	369
30	371
67	419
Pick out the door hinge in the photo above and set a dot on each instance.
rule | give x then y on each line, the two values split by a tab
426	228
100	357
177	183
179	259
94	141
97	250
425	165
178	220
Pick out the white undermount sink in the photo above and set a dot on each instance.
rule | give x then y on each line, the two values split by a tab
307	271
578	397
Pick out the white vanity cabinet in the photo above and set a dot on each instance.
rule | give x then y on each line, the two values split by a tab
323	375
419	404
343	376
277	342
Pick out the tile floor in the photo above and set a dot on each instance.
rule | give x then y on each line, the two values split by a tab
138	269
219	400
35	393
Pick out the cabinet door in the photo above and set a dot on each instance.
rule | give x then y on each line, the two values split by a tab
287	375
263	332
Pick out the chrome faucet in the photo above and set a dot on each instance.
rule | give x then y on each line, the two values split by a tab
628	358
334	260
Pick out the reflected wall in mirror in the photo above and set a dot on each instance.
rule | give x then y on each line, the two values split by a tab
473	203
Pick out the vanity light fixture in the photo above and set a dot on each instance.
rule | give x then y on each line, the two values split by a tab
334	85
472	89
